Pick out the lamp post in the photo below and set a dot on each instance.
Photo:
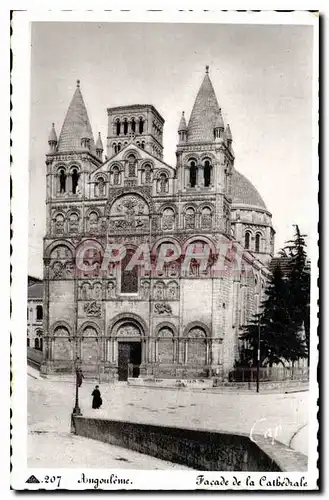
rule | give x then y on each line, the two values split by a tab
258	356
76	409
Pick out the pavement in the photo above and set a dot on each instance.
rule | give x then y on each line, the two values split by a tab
51	444
283	417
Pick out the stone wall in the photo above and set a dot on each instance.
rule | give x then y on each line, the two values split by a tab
200	450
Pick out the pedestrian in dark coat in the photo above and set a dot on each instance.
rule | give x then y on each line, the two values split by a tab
97	400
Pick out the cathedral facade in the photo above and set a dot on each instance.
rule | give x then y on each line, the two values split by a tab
150	270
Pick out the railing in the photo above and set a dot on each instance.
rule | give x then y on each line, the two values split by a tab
268	374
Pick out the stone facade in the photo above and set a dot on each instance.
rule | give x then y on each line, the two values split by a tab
180	320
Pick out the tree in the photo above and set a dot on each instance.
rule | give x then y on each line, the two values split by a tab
275	326
298	282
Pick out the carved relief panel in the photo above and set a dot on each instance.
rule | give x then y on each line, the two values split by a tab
129	213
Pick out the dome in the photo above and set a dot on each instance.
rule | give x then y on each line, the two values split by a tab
244	192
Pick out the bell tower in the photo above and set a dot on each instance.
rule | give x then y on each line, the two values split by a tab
204	155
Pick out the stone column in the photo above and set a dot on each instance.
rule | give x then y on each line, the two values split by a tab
200	176
187	179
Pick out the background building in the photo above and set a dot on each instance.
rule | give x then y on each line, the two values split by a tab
172	322
35	313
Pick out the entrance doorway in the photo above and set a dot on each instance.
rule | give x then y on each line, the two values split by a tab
129	359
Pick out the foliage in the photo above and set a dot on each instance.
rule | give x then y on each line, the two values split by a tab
284	311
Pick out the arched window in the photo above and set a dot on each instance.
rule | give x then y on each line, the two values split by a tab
168	219
27	313
28	341
100	185
148	177
190	219
115	148
41	344
257	243
193	174
163	183
93	222
125	127
118	126
207	173
141	125
138	144
116	175
206	218
247	240
143	145
73	223
131	166
165	345
197	347
62	180
39	312
133	125
75	179
59	224
119	146
129	277
36	343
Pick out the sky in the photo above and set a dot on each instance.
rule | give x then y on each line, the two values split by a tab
262	76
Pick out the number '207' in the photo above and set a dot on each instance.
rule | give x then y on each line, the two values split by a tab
53	479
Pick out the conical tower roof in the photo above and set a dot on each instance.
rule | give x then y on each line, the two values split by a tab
99	144
204	113
228	133
219	123
76	125
52	134
182	124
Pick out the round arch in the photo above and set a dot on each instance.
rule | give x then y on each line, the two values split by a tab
206	204
60	324
191	157
59	243
166	324
123	318
196	238
89	324
197	324
132	151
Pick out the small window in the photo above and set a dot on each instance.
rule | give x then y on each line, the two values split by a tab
118	127
62	181
28	342
36	343
116	176
39	312
247	241
141	125
133	125
27	313
257	243
193	174
75	180
125	127
131	166
207	173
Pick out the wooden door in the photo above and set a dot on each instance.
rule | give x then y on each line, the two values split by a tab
123	360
